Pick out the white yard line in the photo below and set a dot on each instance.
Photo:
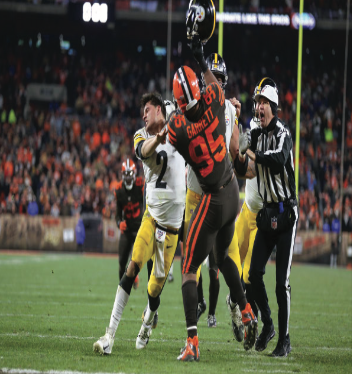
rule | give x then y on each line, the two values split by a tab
33	259
31	371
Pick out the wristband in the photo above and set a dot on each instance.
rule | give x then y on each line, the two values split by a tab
241	167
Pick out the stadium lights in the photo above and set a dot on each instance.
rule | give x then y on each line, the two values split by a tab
96	12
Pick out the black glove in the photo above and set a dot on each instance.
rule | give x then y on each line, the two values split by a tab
197	50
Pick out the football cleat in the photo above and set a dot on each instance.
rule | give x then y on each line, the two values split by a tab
236	319
268	332
202	306
170	278
191	350
136	282
155	319
105	343
212	320
143	336
250	327
283	347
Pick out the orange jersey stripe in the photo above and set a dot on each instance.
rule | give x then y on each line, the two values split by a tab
190	233
198	229
172	139
170	130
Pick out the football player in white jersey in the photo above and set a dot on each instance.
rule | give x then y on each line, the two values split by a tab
164	170
217	66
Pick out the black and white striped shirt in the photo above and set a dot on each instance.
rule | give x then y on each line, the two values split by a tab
274	162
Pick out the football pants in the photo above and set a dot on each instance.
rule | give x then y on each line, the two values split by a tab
144	249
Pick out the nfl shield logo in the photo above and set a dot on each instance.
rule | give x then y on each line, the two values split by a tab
159	234
274	223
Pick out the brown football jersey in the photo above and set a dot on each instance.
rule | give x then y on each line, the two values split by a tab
202	143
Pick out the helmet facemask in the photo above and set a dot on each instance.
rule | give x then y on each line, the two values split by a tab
128	177
217	66
128	174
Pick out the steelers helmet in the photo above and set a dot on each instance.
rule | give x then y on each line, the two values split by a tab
266	81
201	19
217	66
186	88
128	173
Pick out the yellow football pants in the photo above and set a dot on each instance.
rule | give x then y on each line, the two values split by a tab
144	249
246	230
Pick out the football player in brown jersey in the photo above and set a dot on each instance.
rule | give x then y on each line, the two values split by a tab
197	132
129	212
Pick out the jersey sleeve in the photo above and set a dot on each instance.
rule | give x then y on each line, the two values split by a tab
218	91
171	133
138	139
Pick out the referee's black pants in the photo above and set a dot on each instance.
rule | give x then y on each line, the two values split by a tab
263	246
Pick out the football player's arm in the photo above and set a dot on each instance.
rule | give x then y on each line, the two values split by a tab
244	166
234	143
209	77
149	145
118	212
237	106
198	53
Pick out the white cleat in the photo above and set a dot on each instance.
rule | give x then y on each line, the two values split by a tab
104	344
236	317
143	336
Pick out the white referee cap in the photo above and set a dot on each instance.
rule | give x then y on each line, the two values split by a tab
270	93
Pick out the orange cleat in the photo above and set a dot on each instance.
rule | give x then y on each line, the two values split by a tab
250	327
191	351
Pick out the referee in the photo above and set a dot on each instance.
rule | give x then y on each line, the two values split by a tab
266	152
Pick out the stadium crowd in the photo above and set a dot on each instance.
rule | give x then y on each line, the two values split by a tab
65	158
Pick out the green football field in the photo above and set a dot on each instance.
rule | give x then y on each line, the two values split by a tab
53	307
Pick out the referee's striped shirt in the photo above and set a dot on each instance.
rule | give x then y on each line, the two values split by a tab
274	163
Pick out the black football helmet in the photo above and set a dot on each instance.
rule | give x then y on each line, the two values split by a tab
266	81
201	19
217	66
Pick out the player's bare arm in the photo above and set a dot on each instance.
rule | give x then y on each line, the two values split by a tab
250	172
234	145
209	77
237	105
150	144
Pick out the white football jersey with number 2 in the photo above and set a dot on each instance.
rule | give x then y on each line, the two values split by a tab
164	174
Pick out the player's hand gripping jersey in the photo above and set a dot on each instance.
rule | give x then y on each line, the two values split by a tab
164	175
202	142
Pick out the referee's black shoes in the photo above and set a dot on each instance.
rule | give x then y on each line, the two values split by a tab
268	332
283	347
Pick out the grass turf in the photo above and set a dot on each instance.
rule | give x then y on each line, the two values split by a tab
53	307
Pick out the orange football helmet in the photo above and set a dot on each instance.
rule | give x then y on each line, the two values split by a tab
186	88
129	172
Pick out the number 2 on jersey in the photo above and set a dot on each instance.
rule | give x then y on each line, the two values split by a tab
159	155
204	145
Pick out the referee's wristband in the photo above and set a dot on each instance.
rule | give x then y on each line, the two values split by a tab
241	167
